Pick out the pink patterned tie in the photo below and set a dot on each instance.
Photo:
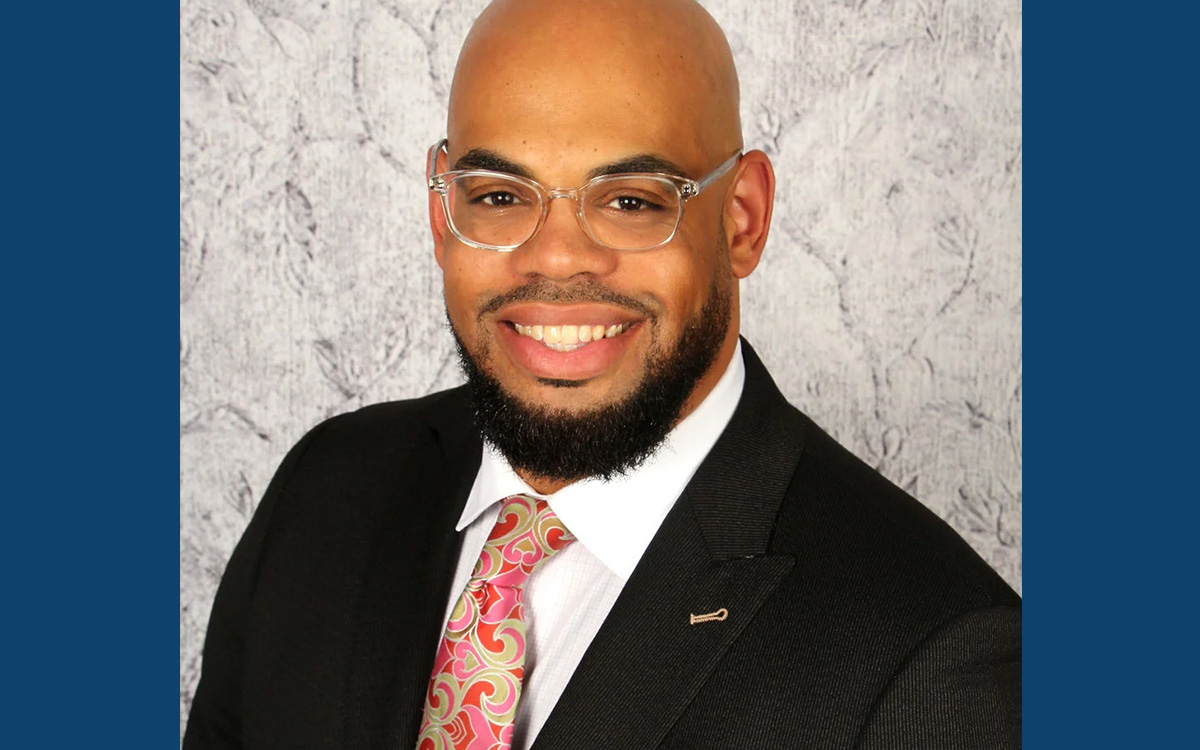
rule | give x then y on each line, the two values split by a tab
476	680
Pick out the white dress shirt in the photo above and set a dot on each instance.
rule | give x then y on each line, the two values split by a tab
568	597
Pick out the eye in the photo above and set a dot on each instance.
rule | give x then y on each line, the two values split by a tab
632	203
630	197
498	199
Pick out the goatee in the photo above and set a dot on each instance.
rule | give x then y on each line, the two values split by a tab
609	440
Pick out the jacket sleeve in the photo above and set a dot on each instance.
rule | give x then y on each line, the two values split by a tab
215	719
960	688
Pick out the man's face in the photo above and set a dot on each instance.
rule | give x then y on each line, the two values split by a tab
561	126
601	315
562	121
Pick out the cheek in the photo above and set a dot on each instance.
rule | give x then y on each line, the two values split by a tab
685	274
701	252
464	275
679	286
459	297
471	278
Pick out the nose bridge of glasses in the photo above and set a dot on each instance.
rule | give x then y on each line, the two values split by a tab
561	192
571	194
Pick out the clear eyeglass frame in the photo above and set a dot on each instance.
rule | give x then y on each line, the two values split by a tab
686	187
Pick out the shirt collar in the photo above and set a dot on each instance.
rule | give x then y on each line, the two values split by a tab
616	519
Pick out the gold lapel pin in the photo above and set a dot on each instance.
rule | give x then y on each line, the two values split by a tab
719	615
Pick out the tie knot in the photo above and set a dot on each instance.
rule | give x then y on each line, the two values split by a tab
526	534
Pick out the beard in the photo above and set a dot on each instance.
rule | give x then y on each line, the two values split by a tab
610	440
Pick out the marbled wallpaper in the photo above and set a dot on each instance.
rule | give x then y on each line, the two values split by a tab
887	304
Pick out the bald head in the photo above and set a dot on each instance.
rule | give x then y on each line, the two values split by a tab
619	75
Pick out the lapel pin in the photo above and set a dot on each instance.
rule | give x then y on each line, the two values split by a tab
719	615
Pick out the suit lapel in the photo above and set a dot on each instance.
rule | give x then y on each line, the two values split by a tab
648	660
406	584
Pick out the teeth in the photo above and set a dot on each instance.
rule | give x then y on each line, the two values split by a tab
564	347
565	338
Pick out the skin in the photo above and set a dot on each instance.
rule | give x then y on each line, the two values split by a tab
559	91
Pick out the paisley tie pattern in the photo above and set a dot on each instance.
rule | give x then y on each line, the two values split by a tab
476	682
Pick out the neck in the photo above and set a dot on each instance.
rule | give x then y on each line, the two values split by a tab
543	485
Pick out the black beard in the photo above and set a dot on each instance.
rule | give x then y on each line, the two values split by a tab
614	439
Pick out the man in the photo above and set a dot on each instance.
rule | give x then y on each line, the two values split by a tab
703	566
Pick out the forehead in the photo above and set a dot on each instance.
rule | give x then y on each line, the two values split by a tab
567	109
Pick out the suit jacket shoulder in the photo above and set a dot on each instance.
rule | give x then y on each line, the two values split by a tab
932	631
325	623
840	513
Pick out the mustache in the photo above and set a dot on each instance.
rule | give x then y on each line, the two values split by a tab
543	290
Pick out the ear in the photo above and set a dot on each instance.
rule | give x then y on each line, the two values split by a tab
748	206
437	214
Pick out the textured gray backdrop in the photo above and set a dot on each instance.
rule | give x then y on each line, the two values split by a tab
887	305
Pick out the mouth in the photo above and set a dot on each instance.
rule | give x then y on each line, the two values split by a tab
569	337
569	342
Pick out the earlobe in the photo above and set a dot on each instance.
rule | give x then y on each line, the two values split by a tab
748	207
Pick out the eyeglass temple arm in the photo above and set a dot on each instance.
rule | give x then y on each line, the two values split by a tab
692	188
435	182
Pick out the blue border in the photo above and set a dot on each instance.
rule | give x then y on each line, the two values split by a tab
90	465
1110	556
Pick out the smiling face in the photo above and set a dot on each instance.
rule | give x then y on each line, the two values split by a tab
563	326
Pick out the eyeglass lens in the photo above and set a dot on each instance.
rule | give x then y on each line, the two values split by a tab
625	213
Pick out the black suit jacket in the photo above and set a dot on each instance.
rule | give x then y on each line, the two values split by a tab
856	617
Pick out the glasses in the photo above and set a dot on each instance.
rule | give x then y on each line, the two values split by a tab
499	211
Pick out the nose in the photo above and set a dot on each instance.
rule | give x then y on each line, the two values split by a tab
561	248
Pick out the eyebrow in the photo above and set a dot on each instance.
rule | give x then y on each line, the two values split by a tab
639	163
482	158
